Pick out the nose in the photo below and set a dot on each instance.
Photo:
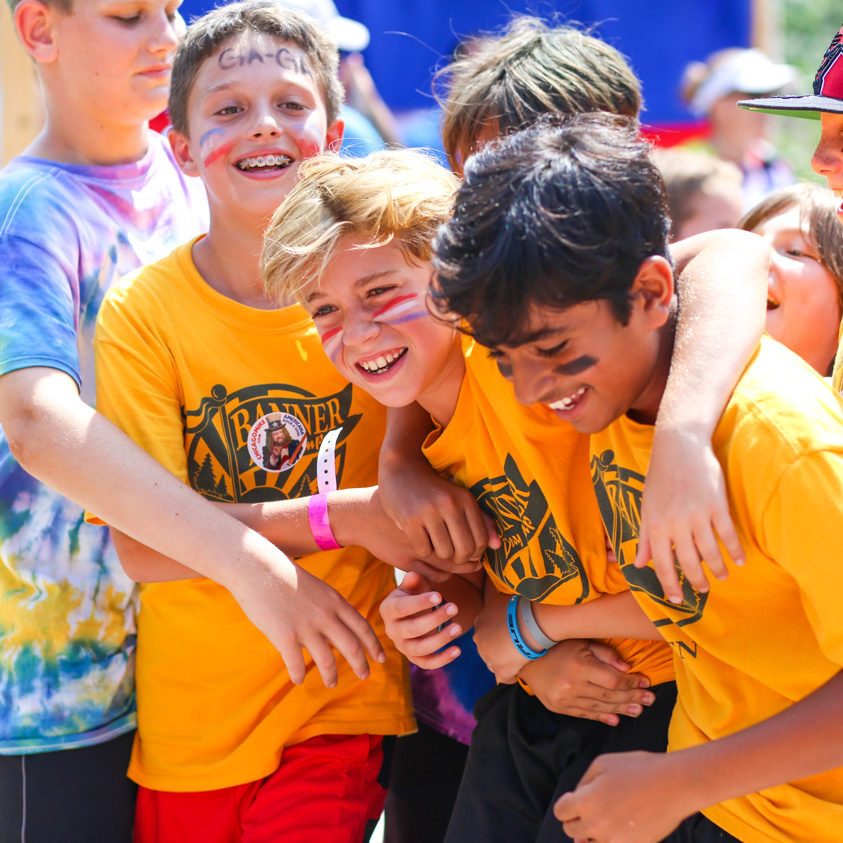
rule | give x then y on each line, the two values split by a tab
265	124
167	32
360	329
827	156
531	380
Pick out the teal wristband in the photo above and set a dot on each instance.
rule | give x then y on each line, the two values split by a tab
515	633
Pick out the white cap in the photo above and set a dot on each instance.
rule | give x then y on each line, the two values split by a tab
744	71
350	35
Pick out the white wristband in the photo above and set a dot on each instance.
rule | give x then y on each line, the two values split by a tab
531	625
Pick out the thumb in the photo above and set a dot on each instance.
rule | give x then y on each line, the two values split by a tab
494	538
414	583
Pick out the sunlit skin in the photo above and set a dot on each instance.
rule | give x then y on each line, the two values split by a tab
588	367
827	160
370	308
255	112
108	64
802	306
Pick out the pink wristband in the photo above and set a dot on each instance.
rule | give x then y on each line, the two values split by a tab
320	527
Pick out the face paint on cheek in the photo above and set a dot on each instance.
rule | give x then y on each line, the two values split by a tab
332	342
215	154
575	367
311	141
400	309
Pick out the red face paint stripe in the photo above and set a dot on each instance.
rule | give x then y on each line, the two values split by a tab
398	300
217	153
332	332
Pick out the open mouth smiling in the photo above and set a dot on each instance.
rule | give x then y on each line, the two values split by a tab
569	401
381	364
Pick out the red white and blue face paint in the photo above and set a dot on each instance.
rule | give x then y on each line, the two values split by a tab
371	312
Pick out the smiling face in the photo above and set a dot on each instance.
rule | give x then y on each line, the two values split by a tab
802	304
255	112
827	159
371	312
115	57
587	366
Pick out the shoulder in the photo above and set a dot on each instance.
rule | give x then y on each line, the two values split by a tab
34	195
781	410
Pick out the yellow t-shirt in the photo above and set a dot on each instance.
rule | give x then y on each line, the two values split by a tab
837	372
773	631
529	471
201	382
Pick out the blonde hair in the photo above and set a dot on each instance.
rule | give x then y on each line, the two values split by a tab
503	82
399	194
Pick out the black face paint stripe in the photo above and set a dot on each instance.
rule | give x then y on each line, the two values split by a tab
575	366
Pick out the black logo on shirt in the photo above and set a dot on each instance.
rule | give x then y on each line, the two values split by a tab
220	463
619	492
534	558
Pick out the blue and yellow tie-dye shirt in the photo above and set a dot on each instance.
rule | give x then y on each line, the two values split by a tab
67	610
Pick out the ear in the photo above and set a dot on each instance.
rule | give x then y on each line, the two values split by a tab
34	22
181	150
652	290
333	137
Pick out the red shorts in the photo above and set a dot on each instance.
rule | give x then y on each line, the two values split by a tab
326	790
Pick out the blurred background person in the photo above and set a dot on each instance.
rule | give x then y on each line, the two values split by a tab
703	192
712	88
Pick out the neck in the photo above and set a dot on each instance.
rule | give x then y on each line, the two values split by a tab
75	139
229	261
440	398
646	407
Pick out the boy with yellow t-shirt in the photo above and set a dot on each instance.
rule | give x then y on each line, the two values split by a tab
755	751
352	242
237	399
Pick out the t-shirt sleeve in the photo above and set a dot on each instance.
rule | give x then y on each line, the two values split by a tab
137	383
39	303
802	525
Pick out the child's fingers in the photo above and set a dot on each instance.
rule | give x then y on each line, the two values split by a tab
361	633
725	528
440	539
439	659
324	660
426	646
661	552
399	605
688	558
423	624
290	650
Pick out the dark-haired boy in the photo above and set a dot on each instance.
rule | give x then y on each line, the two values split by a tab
204	372
587	328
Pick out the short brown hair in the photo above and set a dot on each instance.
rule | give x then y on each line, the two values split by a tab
396	195
205	36
65	6
818	218
505	81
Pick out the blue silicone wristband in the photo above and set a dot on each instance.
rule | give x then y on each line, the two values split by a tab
515	633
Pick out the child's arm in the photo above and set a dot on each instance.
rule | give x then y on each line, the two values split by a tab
437	516
356	517
610	616
421	622
640	796
100	468
722	279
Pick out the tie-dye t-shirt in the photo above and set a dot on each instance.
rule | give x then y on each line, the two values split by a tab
67	610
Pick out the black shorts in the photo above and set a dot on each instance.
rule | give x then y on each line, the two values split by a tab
523	757
72	796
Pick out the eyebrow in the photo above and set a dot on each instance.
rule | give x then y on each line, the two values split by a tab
537	336
360	282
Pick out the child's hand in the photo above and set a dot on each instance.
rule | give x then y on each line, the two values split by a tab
626	797
358	517
294	609
587	679
685	509
494	644
439	518
413	615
